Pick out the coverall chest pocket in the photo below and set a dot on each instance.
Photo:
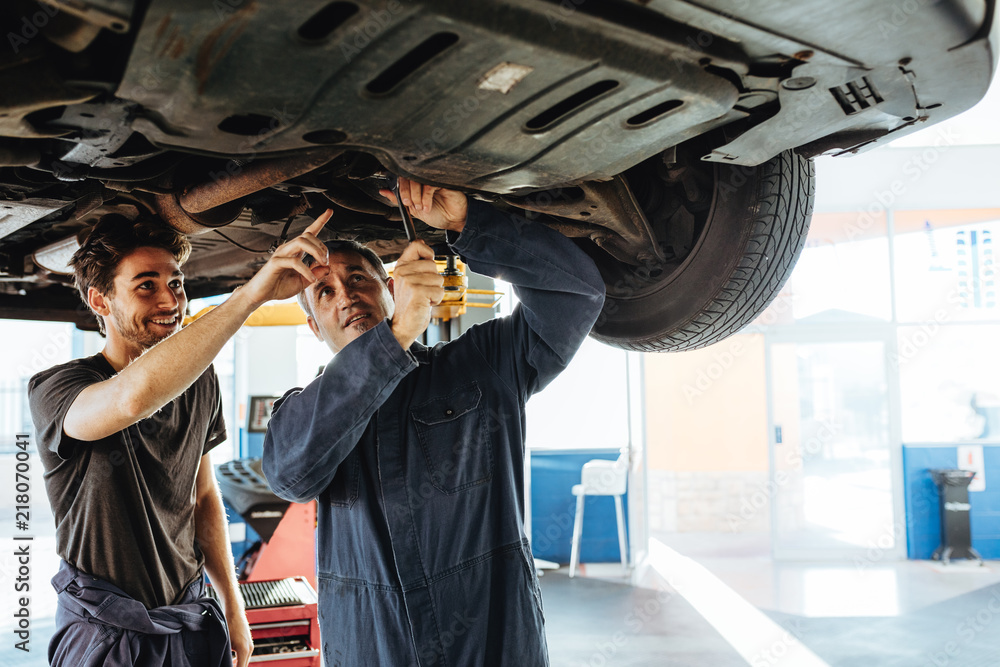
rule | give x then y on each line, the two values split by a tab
455	439
343	489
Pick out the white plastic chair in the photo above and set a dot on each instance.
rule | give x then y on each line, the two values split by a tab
600	478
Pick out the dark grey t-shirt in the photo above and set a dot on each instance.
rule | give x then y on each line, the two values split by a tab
124	505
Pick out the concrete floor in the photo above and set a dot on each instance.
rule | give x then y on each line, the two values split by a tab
719	599
829	589
595	622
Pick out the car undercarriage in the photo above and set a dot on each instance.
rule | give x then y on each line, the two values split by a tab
672	139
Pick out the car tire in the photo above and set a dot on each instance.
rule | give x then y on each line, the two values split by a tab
750	231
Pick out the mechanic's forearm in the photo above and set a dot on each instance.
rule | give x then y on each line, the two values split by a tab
171	366
558	285
212	537
156	377
313	430
168	368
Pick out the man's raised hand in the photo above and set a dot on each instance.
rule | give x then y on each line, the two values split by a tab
438	207
417	287
285	274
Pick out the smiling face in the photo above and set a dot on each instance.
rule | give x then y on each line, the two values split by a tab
348	299
148	301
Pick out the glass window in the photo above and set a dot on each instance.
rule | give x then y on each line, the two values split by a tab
949	382
945	266
831	467
225	369
586	406
29	347
311	355
842	274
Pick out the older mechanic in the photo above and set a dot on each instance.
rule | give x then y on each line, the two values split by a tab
416	454
124	437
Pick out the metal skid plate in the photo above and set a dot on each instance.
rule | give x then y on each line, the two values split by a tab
15	215
811	110
927	61
506	96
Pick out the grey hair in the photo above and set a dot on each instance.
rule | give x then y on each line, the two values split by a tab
346	246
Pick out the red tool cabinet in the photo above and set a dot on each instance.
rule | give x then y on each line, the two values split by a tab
283	622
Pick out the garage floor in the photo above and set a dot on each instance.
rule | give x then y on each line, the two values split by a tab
591	622
731	604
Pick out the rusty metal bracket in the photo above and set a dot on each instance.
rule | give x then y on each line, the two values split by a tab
115	15
607	213
33	87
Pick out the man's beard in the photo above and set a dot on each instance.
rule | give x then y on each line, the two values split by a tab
144	338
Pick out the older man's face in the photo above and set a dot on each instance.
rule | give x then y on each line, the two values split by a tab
348	299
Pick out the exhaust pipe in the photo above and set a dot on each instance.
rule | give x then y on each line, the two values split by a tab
216	203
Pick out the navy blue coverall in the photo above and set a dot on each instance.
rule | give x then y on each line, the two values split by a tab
417	459
99	625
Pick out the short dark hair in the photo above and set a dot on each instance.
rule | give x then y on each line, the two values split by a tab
348	246
113	238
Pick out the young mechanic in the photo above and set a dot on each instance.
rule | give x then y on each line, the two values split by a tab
124	438
416	454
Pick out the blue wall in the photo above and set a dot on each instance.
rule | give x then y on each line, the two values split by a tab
251	444
239	548
923	510
553	507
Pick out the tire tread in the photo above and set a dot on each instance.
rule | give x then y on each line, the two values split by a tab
780	224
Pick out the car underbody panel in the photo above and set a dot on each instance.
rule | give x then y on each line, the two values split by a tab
488	95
